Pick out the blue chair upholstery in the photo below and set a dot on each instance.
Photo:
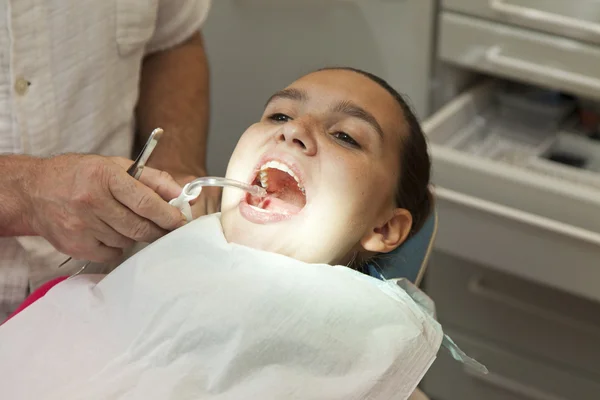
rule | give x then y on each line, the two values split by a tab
410	259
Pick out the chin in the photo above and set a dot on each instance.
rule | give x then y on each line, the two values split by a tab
306	240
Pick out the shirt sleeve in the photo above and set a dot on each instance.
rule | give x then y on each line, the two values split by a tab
176	21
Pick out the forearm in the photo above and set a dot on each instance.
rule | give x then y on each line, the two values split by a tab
174	95
14	203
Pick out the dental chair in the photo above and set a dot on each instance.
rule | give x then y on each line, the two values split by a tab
409	261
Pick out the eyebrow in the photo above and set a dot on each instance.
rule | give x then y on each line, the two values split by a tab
290	94
351	109
344	107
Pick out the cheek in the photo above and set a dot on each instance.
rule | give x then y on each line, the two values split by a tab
363	188
241	164
246	150
356	178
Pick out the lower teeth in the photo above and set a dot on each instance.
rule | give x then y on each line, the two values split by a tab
267	211
259	209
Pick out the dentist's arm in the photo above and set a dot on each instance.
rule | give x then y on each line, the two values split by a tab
174	95
13	199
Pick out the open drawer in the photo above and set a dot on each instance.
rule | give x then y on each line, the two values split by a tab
502	205
521	54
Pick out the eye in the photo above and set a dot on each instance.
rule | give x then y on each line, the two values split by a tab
344	137
279	117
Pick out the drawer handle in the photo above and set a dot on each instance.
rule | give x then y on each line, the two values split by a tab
494	56
518	216
477	286
533	14
510	385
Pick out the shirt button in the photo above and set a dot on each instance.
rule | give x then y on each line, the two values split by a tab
21	86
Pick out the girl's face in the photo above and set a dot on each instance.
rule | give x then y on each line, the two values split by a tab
327	149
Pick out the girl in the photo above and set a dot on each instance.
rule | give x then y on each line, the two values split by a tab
257	302
347	169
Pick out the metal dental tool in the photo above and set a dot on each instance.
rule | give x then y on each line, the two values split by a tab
135	170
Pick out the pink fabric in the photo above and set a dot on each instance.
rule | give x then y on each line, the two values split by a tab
37	294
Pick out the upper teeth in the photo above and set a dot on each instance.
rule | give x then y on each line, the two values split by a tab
281	167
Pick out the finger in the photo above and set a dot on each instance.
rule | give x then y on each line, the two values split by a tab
144	202
91	249
213	207
161	182
122	162
198	208
130	225
207	203
112	238
213	199
102	253
215	204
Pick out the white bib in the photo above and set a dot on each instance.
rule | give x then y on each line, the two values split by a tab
194	317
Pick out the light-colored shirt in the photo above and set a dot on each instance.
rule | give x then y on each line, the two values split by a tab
69	82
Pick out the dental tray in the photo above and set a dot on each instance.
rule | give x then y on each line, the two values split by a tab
533	106
570	156
507	198
489	136
558	153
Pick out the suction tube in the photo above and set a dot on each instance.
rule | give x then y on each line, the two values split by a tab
193	189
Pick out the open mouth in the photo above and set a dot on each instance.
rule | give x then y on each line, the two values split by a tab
286	194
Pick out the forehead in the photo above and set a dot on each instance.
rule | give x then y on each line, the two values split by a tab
325	88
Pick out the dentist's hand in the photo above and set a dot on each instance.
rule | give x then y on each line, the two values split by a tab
89	208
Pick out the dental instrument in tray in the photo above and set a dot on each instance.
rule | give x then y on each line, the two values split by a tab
135	170
193	189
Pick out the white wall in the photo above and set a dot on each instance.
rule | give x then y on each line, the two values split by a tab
256	47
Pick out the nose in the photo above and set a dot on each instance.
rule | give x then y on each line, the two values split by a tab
298	135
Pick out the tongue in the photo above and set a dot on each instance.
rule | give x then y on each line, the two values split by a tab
284	196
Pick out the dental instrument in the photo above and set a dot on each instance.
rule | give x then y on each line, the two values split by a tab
135	170
193	189
138	165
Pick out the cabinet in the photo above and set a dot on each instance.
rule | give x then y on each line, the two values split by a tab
515	271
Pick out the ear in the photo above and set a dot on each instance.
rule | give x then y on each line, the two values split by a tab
391	234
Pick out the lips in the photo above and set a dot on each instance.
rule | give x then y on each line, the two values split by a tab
286	192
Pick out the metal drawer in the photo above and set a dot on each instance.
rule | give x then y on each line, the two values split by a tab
520	54
528	318
574	19
530	224
511	377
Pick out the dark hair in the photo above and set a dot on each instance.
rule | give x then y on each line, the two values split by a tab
412	192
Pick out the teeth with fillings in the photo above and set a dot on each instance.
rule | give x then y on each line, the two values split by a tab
282	167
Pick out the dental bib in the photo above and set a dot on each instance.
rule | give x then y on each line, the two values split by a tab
194	317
